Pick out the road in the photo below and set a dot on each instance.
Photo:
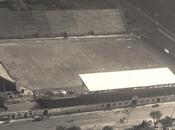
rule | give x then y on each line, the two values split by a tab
92	119
157	33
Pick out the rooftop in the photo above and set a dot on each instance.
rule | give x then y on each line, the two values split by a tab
4	74
127	79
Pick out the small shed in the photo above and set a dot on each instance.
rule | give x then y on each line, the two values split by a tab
6	81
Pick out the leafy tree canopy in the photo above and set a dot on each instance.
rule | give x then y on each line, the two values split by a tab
166	122
70	128
107	128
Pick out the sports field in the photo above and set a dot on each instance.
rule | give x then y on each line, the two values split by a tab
53	63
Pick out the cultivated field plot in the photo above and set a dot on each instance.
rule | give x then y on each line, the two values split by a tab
28	24
53	63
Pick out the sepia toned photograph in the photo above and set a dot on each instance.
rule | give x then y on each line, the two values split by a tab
87	64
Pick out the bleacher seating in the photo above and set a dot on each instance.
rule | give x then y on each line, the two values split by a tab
71	4
28	24
41	24
76	22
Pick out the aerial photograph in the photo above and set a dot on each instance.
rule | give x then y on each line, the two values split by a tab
87	64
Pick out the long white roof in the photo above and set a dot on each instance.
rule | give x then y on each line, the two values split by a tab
127	79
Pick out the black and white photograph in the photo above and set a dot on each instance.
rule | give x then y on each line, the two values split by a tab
87	64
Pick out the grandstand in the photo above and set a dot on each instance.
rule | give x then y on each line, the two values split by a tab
39	5
75	22
45	16
9	26
6	81
119	89
22	25
128	79
28	24
48	18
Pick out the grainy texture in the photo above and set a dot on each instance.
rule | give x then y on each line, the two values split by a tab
39	64
28	24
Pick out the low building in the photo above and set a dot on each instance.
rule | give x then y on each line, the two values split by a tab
6	81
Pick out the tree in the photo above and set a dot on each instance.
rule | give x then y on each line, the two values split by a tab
70	128
134	103
166	122
61	128
107	128
2	100
45	113
156	115
74	128
143	126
